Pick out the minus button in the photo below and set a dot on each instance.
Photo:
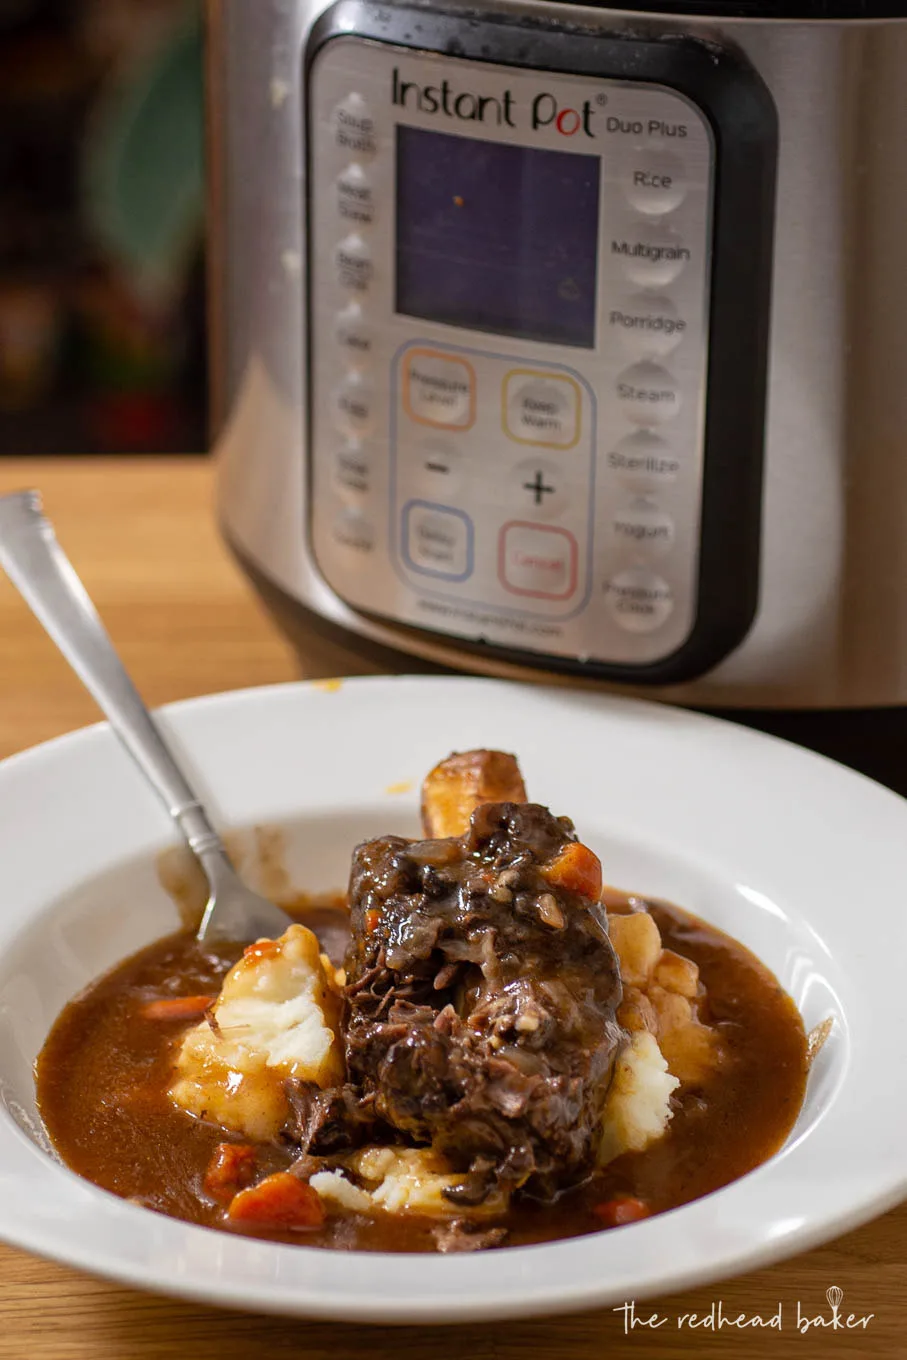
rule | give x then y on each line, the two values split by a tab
436	467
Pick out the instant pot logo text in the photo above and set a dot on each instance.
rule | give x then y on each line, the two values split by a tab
500	110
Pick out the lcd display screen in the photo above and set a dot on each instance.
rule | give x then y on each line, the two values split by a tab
496	237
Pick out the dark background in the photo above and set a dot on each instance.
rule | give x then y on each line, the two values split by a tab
95	357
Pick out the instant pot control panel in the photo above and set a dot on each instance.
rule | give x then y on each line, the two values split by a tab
532	424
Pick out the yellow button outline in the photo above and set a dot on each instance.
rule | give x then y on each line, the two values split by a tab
547	376
449	358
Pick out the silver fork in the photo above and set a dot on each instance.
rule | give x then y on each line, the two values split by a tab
41	572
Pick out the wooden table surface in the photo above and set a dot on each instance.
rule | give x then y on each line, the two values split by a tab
141	535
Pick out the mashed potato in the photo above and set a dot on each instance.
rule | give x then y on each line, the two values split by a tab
638	1108
400	1180
276	1017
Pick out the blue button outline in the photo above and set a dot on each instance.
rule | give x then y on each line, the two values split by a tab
443	510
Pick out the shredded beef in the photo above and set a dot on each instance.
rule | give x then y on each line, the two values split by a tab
480	1005
465	1235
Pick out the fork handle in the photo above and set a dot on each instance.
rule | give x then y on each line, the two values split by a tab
42	573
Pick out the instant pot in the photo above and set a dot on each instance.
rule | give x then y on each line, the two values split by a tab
562	341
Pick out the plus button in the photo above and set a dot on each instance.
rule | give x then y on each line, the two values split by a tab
538	488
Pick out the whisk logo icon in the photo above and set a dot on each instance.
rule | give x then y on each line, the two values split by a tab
837	1321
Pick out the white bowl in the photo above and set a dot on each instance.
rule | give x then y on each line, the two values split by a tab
803	861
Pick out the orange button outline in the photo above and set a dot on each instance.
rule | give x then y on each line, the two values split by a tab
448	358
547	375
545	529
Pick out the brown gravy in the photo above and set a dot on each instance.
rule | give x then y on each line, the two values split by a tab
102	1082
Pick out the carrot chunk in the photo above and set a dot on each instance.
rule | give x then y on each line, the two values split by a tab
614	1213
231	1169
577	870
279	1201
178	1008
372	920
